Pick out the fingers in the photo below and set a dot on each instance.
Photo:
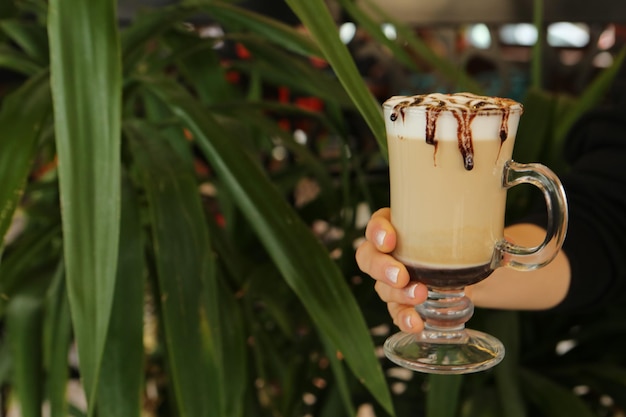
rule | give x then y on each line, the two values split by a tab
405	317
401	304
380	231
392	279
412	294
381	266
373	257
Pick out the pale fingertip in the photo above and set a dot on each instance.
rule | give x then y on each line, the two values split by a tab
391	273
408	321
410	290
379	238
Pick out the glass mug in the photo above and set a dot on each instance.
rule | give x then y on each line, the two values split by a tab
450	166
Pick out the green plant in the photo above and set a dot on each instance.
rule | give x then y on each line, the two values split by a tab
251	309
535	378
249	303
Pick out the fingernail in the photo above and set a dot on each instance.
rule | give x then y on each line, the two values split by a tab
380	237
408	322
410	291
392	273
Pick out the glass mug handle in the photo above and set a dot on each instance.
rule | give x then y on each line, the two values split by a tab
529	258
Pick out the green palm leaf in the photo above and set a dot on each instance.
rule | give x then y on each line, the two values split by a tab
237	18
22	119
552	399
279	68
24	325
25	319
119	392
86	87
148	26
57	339
444	393
303	262
408	41
185	270
30	37
16	61
505	325
317	19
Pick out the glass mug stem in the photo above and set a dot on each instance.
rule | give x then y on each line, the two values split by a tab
444	314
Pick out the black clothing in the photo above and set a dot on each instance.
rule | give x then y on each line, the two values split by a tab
596	190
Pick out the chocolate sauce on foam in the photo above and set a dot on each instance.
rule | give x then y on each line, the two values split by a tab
464	107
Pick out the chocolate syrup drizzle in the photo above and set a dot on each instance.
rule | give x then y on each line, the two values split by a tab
464	107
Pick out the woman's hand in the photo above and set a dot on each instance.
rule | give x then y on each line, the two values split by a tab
392	279
506	288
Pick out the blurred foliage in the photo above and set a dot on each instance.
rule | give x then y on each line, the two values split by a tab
538	376
180	206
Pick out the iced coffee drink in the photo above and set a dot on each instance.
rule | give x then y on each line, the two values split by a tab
450	214
450	166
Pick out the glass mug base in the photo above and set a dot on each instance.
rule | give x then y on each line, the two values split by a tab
476	351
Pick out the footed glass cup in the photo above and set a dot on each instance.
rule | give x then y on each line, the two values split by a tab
450	166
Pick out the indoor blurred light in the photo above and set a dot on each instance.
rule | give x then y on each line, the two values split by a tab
300	136
479	36
571	57
523	34
603	60
346	32
566	34
607	38
390	31
213	32
279	153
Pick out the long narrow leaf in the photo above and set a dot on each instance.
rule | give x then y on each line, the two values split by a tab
200	65
340	378
33	248
185	270
31	38
24	326
505	326
280	68
444	393
317	19
235	357
86	89
119	389
146	28
16	61
303	154
57	337
25	330
551	399
22	118
303	262
452	72
279	33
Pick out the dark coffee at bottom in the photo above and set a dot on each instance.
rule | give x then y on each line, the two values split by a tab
449	278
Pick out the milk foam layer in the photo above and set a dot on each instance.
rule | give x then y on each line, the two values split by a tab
485	127
460	101
461	117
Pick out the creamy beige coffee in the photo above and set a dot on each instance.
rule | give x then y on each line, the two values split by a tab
446	159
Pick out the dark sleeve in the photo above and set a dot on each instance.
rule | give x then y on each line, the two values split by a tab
596	191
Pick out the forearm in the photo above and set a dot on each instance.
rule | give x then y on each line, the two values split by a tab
540	289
